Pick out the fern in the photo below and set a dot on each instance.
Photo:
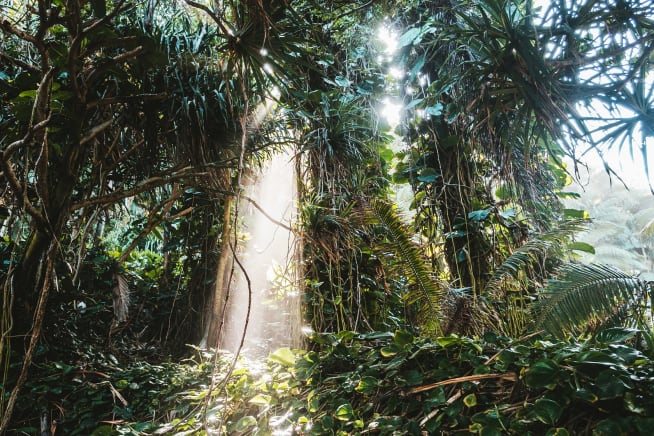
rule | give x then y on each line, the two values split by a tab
532	254
431	293
585	293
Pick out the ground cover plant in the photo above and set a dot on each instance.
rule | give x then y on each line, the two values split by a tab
129	129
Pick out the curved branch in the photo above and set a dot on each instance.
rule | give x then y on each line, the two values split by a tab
143	186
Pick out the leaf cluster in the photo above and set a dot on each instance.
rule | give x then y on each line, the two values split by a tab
390	383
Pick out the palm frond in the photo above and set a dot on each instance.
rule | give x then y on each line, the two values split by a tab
430	293
647	232
533	253
581	294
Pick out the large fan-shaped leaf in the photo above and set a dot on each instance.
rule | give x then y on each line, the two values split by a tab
534	251
583	293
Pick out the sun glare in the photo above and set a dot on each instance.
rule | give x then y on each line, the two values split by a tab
391	112
388	37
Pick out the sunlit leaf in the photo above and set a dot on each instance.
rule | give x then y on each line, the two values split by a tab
408	37
344	412
261	400
582	246
402	338
245	422
435	110
470	400
283	356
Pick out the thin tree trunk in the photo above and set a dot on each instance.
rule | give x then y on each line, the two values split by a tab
216	313
45	277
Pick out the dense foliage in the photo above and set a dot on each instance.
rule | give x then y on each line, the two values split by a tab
128	129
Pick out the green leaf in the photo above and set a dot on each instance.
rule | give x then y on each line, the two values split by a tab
416	68
435	110
30	93
615	334
284	356
386	154
390	350
408	37
428	175
586	395
448	341
575	213
479	215
609	385
261	400
547	411
342	81
413	103
344	412
245	423
367	385
470	400
402	338
582	246
542	374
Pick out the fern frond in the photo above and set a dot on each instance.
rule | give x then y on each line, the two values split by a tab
647	232
407	251
533	252
582	293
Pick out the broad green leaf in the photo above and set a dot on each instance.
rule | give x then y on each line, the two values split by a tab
413	377
284	356
261	400
547	411
582	246
413	103
390	350
386	154
344	412
30	93
609	385
615	334
434	110
408	37
586	395
402	338
448	341
479	215
542	374
376	335
470	400
415	70
367	385
428	175
342	81
245	423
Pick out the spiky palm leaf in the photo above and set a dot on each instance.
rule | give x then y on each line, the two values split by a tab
430	293
581	294
533	253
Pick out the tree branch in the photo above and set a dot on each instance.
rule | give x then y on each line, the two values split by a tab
9	28
145	185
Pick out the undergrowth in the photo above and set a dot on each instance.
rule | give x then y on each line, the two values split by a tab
375	383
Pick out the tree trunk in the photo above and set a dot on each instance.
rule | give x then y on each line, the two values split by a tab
216	312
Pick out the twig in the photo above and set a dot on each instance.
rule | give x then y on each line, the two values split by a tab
510	376
279	223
